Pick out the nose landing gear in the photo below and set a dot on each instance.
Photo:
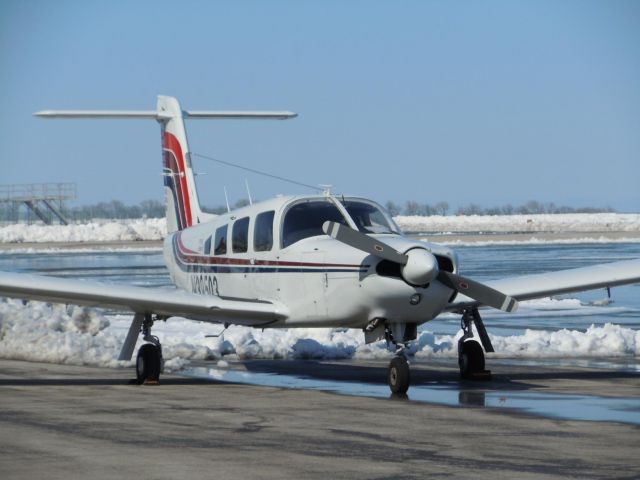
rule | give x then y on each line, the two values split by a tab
399	374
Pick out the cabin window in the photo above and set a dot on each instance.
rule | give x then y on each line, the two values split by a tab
263	232
240	235
305	220
207	246
220	241
368	218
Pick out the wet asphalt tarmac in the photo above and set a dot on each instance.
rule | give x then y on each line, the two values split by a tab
82	422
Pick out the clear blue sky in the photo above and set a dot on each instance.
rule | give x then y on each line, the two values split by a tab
489	102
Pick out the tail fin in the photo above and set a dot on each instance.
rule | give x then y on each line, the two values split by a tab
182	204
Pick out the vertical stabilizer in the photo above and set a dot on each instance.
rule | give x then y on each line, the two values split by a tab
182	205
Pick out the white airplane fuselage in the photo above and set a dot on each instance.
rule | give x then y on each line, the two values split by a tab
319	281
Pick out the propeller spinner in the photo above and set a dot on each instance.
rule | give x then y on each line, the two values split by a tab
419	267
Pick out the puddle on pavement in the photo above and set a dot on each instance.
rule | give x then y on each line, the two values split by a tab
554	405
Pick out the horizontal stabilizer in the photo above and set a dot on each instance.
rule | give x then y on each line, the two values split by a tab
155	115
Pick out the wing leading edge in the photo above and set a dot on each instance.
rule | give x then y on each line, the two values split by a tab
543	285
161	302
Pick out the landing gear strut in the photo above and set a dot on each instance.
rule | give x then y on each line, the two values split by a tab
470	352
149	362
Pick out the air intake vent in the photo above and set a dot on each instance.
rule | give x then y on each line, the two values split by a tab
444	263
385	268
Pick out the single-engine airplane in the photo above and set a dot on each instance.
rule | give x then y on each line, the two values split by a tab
299	261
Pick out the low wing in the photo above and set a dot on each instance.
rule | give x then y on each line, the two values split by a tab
168	303
564	281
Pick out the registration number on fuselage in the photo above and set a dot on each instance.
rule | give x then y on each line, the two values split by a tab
203	284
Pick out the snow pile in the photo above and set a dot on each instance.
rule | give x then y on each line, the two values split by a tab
574	222
45	333
96	231
52	333
597	341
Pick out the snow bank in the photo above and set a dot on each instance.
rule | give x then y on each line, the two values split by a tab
155	228
97	231
52	333
575	222
458	242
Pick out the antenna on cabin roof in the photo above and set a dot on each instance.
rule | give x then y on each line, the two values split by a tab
246	183
326	189
226	199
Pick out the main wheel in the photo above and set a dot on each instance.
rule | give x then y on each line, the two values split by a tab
399	375
148	363
470	358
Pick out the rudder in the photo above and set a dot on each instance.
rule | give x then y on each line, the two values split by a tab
181	197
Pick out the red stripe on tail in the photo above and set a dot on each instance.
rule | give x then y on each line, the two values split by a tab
173	144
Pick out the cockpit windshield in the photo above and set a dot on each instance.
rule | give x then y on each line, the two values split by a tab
305	220
368	218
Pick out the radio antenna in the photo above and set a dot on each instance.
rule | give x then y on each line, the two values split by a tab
226	199
246	183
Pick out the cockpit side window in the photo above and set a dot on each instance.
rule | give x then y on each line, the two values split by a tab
263	232
240	235
305	220
220	241
368	218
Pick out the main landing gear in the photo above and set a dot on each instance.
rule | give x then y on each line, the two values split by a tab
149	362
470	352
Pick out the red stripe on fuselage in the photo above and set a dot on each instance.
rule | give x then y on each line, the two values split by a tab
188	255
171	143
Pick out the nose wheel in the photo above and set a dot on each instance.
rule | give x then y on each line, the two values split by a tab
399	375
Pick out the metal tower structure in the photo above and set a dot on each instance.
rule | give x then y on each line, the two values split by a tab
44	200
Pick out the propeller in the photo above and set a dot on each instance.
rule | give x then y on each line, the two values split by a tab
419	267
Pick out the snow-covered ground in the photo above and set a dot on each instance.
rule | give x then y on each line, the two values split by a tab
96	231
155	229
52	333
574	222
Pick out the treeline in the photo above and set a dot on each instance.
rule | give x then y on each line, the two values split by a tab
145	209
116	209
530	208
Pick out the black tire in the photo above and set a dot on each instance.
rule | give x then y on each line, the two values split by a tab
148	363
399	377
470	358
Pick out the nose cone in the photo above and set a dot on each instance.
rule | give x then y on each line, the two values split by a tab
421	268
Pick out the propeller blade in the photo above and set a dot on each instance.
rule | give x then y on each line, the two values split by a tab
478	291
359	240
